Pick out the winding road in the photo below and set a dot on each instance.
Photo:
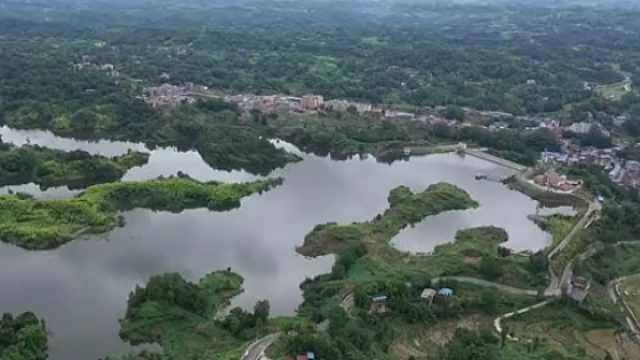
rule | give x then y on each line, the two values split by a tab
256	350
615	293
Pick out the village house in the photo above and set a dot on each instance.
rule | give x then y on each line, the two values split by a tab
553	180
445	293
399	115
378	305
580	127
307	356
167	95
578	289
428	295
312	102
344	105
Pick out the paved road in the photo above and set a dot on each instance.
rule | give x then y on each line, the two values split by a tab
579	226
256	350
485	283
497	323
554	290
496	160
558	282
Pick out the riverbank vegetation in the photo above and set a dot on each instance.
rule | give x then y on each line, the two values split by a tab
47	224
183	317
368	266
79	71
94	105
52	168
546	198
342	134
559	226
23	337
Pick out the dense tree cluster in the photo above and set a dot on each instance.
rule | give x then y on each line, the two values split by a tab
171	289
23	337
49	168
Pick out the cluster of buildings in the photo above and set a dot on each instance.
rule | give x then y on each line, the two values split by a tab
622	172
378	304
577	289
276	103
309	104
557	182
87	64
167	95
306	356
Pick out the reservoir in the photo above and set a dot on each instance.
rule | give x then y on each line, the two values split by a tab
81	289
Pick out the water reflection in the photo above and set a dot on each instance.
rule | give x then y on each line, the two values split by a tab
48	139
55	193
81	289
163	161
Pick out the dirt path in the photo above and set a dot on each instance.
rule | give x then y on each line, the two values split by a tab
617	297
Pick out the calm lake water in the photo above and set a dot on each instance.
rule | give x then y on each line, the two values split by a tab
81	289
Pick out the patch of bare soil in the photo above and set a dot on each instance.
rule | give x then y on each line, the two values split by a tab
428	340
472	260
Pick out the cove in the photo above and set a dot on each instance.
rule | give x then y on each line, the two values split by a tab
81	288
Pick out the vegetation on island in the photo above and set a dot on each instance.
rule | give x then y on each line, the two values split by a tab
184	317
46	224
405	208
368	266
23	337
544	61
52	168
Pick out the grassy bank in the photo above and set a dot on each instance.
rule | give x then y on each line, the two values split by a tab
367	266
35	224
546	198
181	316
178	315
51	168
559	226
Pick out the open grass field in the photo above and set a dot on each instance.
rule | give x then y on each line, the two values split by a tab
631	293
614	91
565	330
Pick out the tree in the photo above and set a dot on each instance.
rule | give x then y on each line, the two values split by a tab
489	301
261	310
596	138
490	268
470	345
503	336
454	113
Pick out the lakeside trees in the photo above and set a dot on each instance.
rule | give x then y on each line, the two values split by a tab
23	337
51	168
47	224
